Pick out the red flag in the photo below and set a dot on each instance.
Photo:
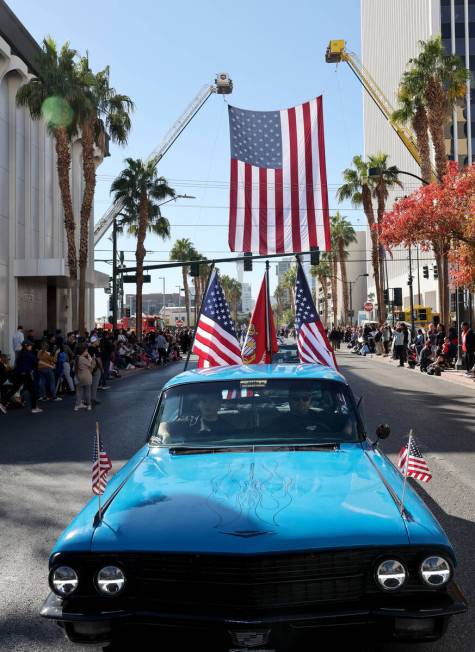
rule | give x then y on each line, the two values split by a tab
257	347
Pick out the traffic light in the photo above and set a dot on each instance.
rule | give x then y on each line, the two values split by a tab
127	312
314	256
436	271
409	279
397	296
248	262
194	269
425	271
111	303
386	297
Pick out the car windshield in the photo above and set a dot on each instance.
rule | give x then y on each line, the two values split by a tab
256	412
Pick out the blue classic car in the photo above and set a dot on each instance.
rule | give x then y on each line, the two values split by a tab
258	510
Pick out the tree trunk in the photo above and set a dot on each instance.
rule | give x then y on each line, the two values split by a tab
324	283
89	170
369	212
334	292
344	278
421	126
436	115
184	271
139	257
63	164
441	256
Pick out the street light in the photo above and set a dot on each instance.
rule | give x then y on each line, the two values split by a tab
163	293
376	172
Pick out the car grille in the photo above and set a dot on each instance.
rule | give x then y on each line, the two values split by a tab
243	582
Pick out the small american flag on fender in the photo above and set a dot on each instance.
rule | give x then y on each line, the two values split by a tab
101	465
412	464
278	188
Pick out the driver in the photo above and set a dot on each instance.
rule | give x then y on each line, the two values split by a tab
300	418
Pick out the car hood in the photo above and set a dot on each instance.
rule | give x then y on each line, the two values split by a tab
251	502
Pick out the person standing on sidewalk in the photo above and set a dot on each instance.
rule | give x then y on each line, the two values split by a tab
46	367
96	368
83	378
17	341
468	347
398	343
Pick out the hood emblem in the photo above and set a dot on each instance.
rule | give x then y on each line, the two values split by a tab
250	639
247	534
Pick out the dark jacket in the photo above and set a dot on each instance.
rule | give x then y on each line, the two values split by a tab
469	340
26	363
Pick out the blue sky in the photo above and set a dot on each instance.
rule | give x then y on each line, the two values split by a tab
161	54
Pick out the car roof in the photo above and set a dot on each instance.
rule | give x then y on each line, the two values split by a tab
257	371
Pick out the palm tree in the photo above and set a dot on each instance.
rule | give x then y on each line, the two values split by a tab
288	282
332	256
357	187
141	190
103	110
56	97
280	294
182	251
343	235
386	179
232	291
439	80
323	272
412	109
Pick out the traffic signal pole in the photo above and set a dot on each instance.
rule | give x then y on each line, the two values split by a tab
411	296
114	274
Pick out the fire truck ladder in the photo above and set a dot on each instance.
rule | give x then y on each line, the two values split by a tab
223	85
337	52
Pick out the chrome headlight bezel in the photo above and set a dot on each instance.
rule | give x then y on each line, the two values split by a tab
72	580
120	581
446	573
399	576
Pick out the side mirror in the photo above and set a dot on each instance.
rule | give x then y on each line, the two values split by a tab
383	431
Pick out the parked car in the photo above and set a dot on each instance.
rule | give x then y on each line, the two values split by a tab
257	510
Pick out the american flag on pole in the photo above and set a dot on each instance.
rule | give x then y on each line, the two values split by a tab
412	464
312	340
215	342
101	465
278	189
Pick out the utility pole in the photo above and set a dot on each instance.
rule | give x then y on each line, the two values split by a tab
114	274
351	302
411	296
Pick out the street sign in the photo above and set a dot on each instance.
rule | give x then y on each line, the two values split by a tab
132	278
179	322
368	306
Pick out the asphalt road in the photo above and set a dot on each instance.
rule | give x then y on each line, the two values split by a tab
45	463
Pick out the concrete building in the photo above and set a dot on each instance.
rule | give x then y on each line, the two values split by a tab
152	303
390	34
247	304
33	256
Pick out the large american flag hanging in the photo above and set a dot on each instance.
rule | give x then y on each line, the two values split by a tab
215	342
411	462
101	465
278	189
312	340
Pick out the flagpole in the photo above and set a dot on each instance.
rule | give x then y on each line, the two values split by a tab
199	315
268	330
405	470
98	449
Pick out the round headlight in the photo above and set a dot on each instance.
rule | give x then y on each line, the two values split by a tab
64	580
391	574
435	571
110	580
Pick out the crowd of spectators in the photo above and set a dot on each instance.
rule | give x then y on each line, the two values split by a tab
433	350
50	367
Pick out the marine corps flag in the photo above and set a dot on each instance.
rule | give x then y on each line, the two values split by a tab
261	340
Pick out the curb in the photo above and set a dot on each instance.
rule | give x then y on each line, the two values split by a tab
450	376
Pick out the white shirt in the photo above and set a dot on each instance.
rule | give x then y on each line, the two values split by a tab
17	340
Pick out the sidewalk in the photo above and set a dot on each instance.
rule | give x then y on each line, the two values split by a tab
451	375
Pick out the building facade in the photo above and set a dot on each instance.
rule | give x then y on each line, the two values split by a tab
153	303
33	257
390	35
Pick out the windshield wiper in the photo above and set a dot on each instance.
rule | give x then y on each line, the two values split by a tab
250	448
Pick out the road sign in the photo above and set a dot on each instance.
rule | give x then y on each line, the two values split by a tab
368	306
132	278
179	322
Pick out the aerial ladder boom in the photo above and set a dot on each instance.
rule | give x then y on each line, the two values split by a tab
337	52
223	85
